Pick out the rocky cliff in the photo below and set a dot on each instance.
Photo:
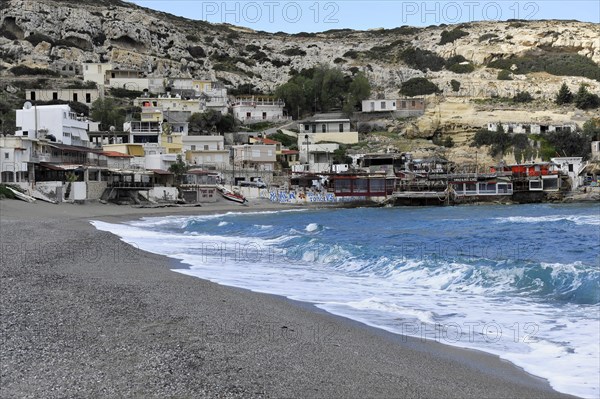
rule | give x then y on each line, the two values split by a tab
60	35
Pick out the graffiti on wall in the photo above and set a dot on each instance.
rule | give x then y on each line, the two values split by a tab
293	197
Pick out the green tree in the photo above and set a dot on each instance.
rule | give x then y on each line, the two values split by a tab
7	118
586	100
564	95
333	88
294	96
360	88
211	121
179	168
106	111
499	141
591	129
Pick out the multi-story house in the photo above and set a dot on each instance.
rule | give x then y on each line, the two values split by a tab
55	122
259	109
206	152
259	157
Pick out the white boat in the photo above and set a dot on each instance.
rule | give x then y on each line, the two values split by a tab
230	195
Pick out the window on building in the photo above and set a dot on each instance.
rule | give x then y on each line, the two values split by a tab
414	103
383	105
394	104
306	127
88	98
403	104
248	115
170	140
33	96
75	99
193	147
205	147
55	95
6	155
341	127
264	115
324	128
571	167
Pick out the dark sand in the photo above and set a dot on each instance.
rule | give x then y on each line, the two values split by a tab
85	315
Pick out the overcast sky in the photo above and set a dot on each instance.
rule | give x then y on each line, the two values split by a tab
314	16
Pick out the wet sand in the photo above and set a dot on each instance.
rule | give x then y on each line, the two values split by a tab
83	314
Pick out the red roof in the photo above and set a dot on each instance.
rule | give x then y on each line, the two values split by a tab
115	154
161	172
267	141
290	152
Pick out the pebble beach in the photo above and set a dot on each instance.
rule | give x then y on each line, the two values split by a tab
85	315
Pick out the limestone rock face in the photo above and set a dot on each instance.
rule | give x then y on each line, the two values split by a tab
158	43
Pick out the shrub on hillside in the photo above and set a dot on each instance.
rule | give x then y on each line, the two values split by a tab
292	52
22	70
451	36
559	64
196	51
455	85
418	87
504	75
422	59
523	97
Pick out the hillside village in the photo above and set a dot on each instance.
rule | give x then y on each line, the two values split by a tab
437	115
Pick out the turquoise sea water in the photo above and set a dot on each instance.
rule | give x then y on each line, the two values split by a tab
522	282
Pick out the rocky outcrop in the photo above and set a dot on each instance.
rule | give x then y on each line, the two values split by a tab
158	43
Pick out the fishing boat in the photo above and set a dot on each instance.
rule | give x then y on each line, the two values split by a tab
231	195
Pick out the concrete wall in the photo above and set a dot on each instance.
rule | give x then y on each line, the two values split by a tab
163	193
79	191
342	138
95	189
51	189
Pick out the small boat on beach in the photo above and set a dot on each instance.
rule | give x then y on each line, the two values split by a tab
231	195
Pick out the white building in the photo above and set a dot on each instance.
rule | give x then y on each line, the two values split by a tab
532	128
378	105
96	72
595	151
326	128
207	152
259	157
570	166
47	121
15	153
84	96
105	74
258	109
159	161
